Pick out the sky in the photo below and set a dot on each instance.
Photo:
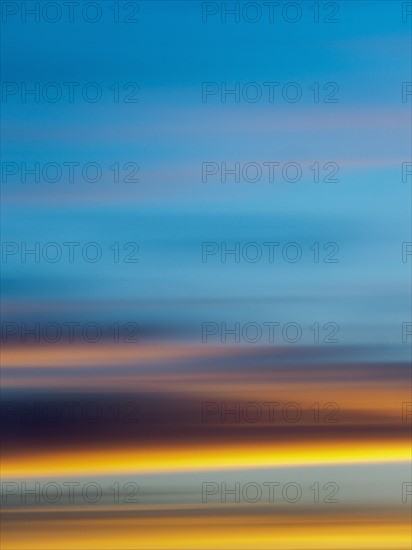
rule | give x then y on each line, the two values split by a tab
218	210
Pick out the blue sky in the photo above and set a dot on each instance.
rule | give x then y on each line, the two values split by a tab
169	53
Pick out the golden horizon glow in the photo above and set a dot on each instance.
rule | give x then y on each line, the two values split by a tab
229	532
201	458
